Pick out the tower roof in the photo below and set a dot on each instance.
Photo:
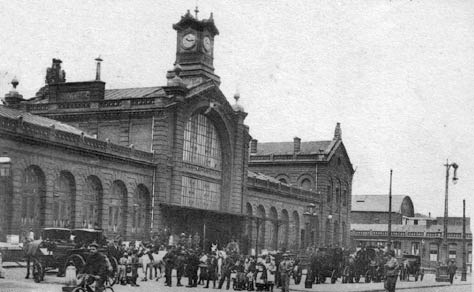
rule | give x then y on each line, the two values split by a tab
188	20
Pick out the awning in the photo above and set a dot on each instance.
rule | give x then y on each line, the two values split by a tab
216	212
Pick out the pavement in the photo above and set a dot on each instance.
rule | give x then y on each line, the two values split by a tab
15	282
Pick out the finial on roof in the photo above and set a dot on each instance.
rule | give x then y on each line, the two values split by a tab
338	132
176	80
237	107
15	82
196	11
211	17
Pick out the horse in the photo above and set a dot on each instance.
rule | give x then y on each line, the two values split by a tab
30	249
152	261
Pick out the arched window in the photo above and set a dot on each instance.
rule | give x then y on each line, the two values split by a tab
118	208
64	198
306	184
344	236
201	147
261	218
336	234
33	200
296	222
285	219
273	224
329	191
327	235
91	215
141	212
283	180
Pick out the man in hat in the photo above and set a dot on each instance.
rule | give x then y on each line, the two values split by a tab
451	270
96	265
285	273
391	270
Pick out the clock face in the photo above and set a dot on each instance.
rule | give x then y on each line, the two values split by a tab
207	44
188	41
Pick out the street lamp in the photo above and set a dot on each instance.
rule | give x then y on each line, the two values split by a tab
445	221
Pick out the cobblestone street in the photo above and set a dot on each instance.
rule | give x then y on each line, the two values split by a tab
15	282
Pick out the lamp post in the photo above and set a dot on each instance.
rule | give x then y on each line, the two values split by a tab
445	219
463	274
389	241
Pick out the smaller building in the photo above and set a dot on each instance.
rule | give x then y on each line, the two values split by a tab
422	240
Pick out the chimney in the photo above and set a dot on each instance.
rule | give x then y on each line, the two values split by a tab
253	146
97	70
55	74
338	132
296	145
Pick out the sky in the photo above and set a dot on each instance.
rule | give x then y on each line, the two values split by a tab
397	75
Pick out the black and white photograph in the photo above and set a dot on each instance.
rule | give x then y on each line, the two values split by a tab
267	146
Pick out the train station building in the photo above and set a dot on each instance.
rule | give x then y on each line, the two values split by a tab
176	158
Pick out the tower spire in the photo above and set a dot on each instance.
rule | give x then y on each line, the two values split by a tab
196	11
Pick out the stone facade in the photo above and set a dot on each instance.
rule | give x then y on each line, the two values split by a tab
174	158
321	167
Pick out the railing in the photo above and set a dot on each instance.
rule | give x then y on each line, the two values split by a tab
282	189
377	233
18	126
286	157
118	103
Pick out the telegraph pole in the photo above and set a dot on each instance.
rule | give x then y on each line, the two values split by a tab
389	243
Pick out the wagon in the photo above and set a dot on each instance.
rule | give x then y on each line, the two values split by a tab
326	263
411	265
64	247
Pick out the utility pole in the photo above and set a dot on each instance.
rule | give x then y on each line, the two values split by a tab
463	274
389	243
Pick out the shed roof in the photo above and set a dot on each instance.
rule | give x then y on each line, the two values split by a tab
137	92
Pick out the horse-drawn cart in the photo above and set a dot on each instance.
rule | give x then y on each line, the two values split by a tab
411	265
63	247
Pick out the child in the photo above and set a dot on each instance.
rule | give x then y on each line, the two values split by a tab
122	269
260	276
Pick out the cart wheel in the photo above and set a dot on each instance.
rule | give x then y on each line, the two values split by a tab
113	276
38	271
75	260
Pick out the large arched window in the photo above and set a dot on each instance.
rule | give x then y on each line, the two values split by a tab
141	217
201	143
91	215
201	147
118	208
33	200
64	198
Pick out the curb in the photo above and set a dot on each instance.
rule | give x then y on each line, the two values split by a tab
398	288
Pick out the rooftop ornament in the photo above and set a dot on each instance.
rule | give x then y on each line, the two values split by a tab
237	107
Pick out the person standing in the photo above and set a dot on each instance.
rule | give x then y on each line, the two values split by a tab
285	273
391	271
452	270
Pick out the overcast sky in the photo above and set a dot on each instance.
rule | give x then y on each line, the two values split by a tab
398	75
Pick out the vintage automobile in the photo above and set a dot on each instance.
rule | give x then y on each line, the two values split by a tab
411	265
62	247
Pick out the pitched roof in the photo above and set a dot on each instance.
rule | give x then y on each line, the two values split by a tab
376	203
39	120
137	92
309	147
409	228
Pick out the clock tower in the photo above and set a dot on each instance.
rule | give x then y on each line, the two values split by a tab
195	49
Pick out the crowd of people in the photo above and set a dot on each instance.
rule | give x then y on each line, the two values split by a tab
215	268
